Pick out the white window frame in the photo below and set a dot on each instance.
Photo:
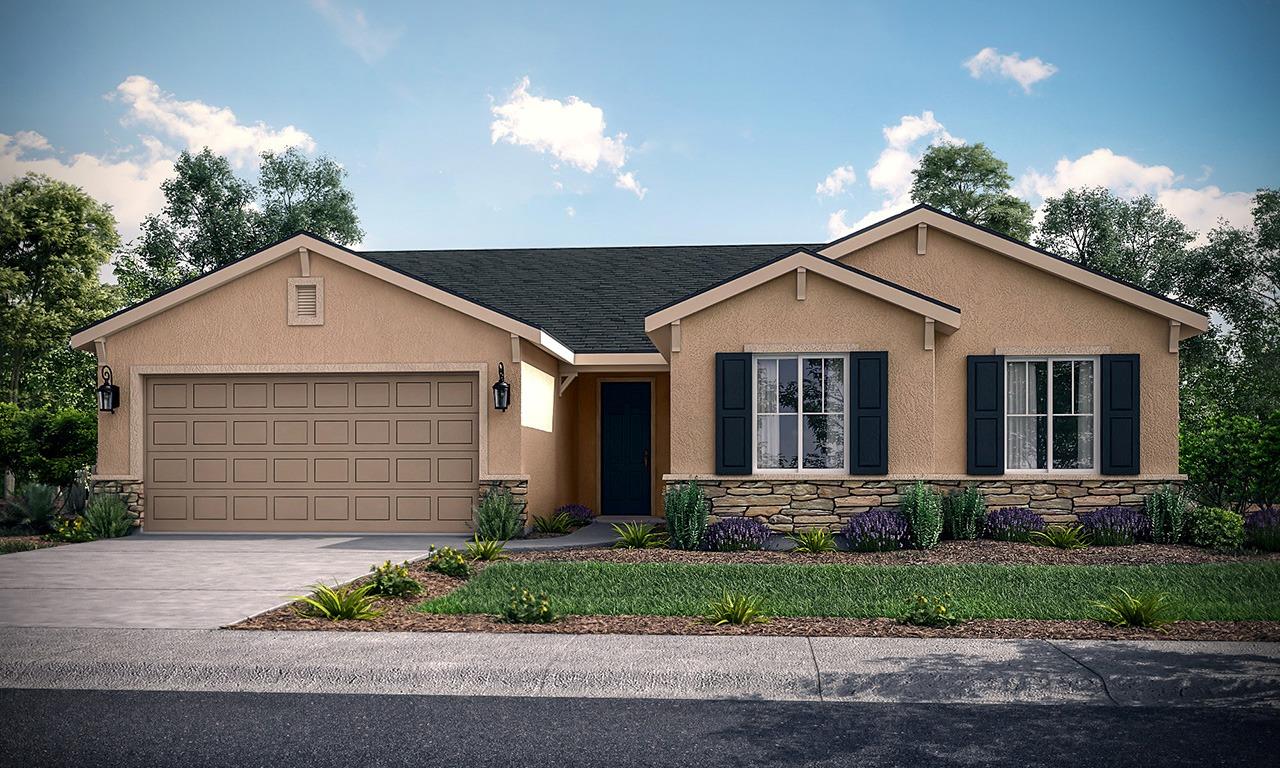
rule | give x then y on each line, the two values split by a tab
1097	415
800	413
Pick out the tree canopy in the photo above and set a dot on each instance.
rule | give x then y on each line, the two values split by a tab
969	181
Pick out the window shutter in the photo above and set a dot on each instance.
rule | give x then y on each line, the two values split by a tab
733	413
985	415
869	413
1121	412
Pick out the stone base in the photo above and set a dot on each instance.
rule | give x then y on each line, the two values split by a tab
787	504
519	489
129	490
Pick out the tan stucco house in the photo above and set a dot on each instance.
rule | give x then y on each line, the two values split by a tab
311	388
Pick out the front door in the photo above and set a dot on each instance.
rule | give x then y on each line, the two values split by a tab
625	451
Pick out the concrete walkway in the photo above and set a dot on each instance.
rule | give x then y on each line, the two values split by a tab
203	581
667	667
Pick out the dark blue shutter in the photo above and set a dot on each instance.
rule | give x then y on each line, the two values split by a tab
869	413
985	415
1121	415
733	413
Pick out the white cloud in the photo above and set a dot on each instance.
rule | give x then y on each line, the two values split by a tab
570	212
1025	72
571	131
836	181
196	125
370	41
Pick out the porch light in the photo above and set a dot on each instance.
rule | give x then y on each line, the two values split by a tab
502	390
108	393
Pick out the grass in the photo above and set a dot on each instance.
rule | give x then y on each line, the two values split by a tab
1221	592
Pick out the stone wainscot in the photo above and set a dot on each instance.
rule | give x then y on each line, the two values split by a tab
790	503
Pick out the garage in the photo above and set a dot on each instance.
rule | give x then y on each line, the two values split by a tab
369	453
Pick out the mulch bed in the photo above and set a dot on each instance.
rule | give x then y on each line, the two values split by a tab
39	541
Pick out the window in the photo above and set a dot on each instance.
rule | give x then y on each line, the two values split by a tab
800	412
306	301
1050	414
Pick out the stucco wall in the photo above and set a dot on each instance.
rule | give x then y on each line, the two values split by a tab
549	458
1007	304
831	314
586	388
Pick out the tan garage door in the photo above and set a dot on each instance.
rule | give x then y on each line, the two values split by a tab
371	453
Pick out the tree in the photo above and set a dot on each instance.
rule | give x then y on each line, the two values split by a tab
53	240
1135	240
298	193
968	181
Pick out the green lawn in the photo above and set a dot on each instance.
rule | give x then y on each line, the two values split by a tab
1233	591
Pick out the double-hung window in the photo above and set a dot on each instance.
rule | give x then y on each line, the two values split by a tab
1051	413
800	412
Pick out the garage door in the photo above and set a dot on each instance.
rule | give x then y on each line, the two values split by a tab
308	453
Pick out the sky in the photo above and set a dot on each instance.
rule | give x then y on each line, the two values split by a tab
488	124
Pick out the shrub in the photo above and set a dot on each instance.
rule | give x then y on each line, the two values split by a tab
962	514
579	514
925	611
737	609
107	517
735	534
686	511
923	509
1215	528
1122	609
1061	536
813	540
878	530
34	507
1168	512
344	602
71	530
1262	529
393	580
557	523
45	446
638	536
448	561
497	516
1012	524
1231	461
527	608
486	549
8	547
1116	526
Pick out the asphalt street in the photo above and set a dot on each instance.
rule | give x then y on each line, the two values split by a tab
120	729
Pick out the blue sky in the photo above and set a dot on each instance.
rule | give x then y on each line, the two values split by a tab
734	114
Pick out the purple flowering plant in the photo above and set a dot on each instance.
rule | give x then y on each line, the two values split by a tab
1116	526
734	534
579	514
878	530
1262	529
1012	524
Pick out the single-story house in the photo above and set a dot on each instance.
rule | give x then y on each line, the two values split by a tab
309	387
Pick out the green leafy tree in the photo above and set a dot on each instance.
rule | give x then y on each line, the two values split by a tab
968	181
300	193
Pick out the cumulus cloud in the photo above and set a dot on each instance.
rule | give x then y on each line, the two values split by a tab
989	62
836	181
572	132
370	41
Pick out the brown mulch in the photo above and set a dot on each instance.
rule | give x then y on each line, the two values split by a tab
39	541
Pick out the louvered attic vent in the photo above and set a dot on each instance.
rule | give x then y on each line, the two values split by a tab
306	301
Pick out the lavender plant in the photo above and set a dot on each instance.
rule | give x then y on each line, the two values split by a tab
1262	529
734	534
1012	524
579	514
878	530
1116	526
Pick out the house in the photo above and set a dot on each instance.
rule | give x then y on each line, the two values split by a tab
308	387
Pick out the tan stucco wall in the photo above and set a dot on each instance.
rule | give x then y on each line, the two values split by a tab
549	458
367	321
831	314
1007	304
586	486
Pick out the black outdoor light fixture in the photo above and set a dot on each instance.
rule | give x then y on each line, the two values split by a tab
108	393
502	390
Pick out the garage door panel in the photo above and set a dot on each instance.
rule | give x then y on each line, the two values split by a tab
321	453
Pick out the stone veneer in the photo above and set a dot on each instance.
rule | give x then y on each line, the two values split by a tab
519	488
786	504
129	490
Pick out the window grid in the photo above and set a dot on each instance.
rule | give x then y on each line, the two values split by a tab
801	411
1049	411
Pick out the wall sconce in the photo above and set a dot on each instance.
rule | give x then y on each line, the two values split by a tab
108	393
501	390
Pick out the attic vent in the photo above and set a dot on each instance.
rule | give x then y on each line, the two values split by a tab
306	301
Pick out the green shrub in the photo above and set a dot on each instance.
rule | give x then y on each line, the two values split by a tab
638	536
556	524
448	561
962	514
393	580
1122	609
486	549
34	507
1231	461
69	529
9	546
44	446
813	540
925	611
737	609
1060	536
922	508
497	516
527	608
1168	512
107	517
344	602
1215	528
686	509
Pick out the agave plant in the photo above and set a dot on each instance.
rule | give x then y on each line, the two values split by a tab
486	549
638	536
556	523
813	540
736	608
342	602
1061	536
1122	609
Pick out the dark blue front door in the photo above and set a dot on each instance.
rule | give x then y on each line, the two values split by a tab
625	451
